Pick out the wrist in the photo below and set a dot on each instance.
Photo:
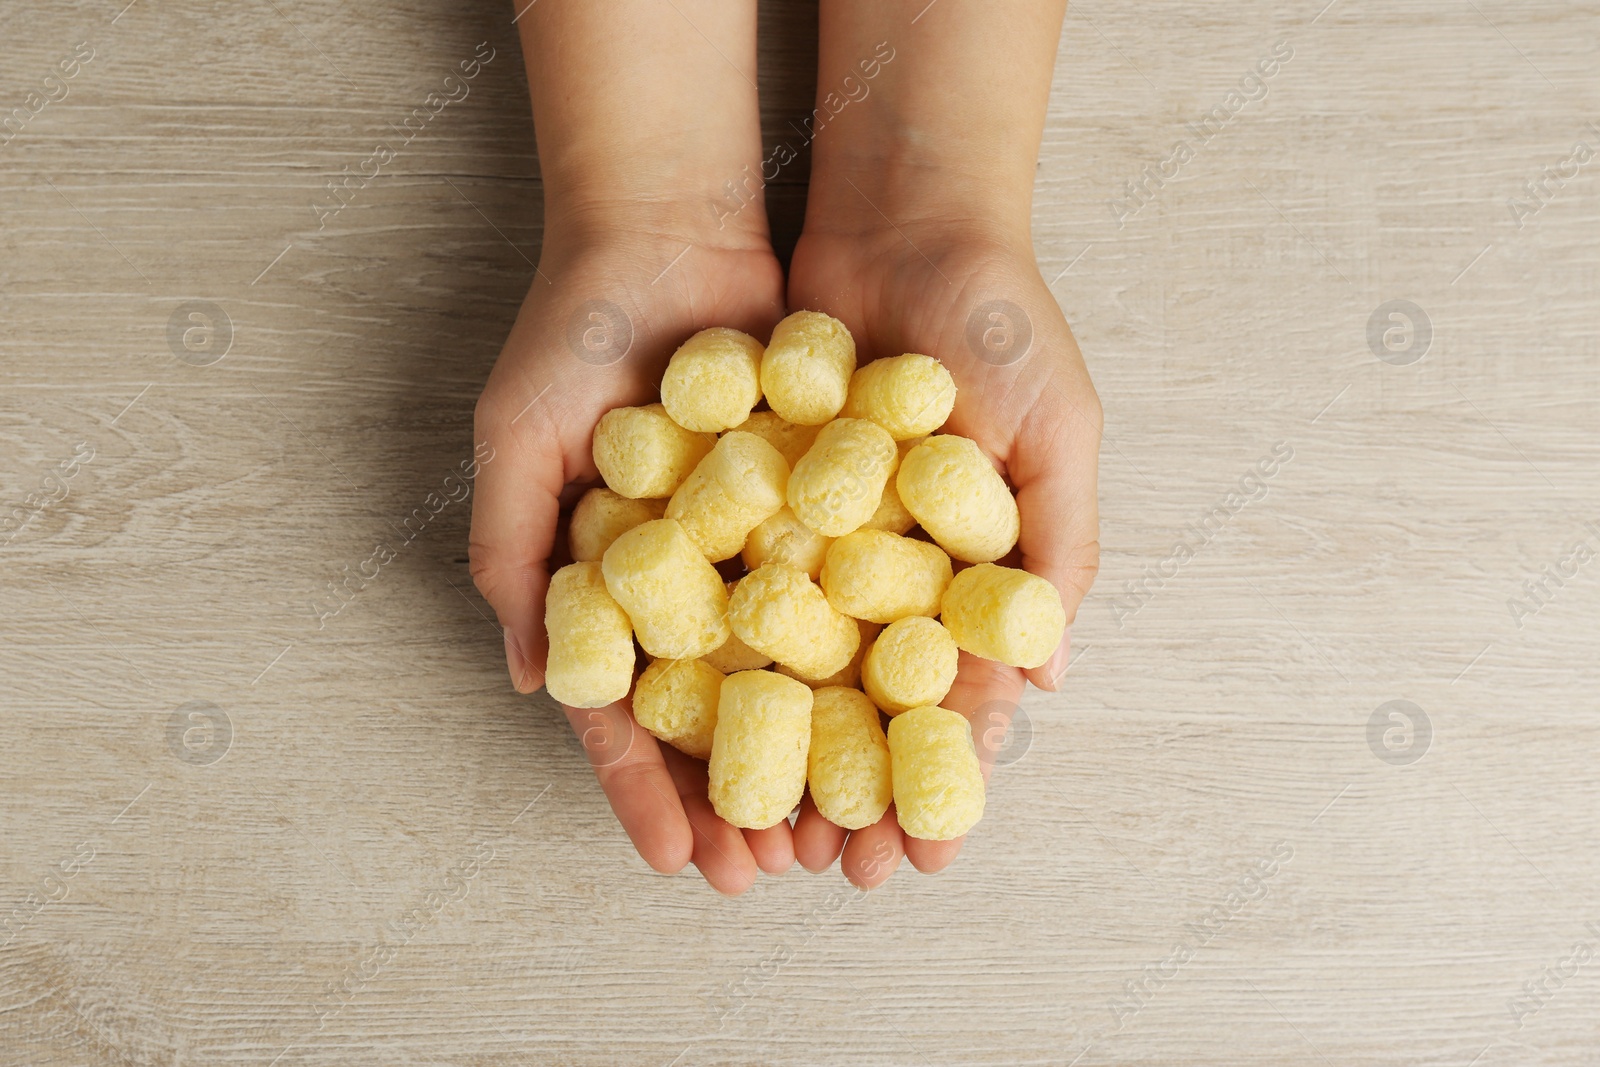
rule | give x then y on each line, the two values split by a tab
942	124
927	218
629	143
587	215
888	182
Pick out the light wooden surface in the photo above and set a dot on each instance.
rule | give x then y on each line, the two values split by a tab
174	911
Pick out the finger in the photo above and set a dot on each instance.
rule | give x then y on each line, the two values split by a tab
634	775
986	693
720	851
931	857
773	847
513	530
1056	469
817	842
873	852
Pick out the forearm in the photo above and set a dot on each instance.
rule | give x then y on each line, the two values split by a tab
642	110
950	130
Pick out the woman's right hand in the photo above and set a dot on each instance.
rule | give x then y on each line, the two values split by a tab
610	302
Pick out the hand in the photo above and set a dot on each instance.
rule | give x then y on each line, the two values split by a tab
646	116
610	303
931	286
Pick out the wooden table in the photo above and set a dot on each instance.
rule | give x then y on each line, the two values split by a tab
235	833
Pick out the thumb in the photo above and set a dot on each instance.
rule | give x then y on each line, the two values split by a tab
1056	470
513	531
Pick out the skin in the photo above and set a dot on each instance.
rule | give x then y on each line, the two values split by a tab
918	213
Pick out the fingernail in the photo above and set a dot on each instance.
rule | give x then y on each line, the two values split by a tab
514	661
1056	668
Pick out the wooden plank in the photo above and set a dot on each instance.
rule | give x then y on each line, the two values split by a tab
169	911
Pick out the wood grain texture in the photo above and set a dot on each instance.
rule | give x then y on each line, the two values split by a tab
164	911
